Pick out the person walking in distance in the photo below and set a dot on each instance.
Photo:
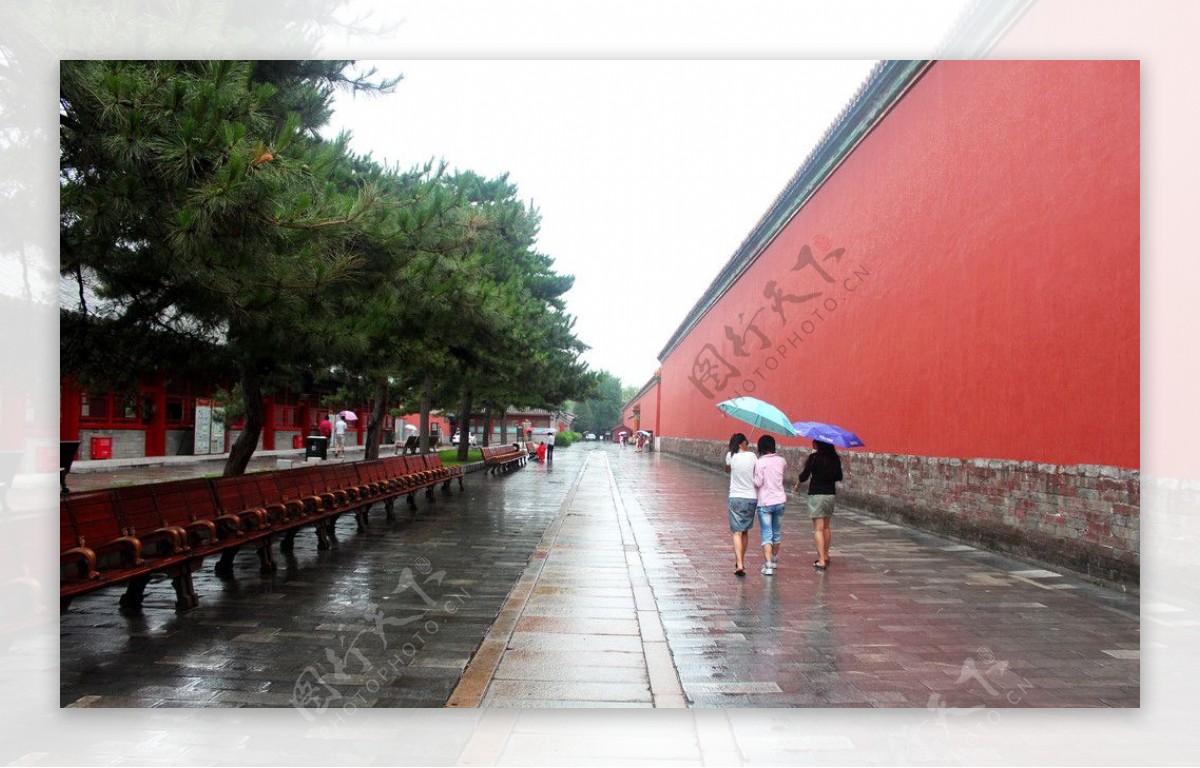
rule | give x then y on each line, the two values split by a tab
822	470
549	447
339	437
743	499
769	472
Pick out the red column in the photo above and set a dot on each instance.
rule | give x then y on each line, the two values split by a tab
268	436
68	410
302	411
156	428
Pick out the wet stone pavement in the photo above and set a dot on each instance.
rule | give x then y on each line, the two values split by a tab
900	619
607	580
388	618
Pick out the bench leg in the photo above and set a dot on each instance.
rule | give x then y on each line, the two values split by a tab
389	507
446	487
64	603
460	485
360	517
324	529
266	559
429	494
185	592
135	593
288	543
224	566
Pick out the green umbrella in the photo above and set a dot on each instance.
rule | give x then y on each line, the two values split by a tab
759	414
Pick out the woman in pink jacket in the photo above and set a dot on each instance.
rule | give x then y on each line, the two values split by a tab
768	480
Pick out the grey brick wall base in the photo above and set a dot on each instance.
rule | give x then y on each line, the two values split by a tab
1084	518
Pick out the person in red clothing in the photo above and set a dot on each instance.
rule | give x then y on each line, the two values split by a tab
326	427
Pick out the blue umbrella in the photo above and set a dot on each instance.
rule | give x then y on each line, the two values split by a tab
828	433
758	413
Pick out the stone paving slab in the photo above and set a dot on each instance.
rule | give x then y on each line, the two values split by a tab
901	618
607	578
589	548
350	624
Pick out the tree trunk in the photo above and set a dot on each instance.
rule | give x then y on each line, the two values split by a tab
487	425
426	405
504	427
243	448
375	425
464	426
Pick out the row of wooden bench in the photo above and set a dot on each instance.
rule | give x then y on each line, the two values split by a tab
127	535
502	458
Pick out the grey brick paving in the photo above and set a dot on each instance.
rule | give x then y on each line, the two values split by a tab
901	619
254	637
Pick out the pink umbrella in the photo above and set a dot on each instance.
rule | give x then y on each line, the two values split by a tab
348	415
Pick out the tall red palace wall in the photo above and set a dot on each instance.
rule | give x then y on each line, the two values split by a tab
965	286
646	405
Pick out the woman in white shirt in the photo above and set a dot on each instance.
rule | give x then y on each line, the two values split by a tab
743	497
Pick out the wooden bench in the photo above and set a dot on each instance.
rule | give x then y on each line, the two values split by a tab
320	497
190	509
423	477
452	473
503	458
127	535
97	551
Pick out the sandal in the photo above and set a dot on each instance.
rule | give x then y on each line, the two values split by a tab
739	572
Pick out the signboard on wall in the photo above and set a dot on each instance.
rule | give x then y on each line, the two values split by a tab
216	441
202	438
209	436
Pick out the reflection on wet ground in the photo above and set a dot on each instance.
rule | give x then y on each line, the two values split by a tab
623	555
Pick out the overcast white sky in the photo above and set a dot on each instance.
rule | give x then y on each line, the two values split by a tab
648	174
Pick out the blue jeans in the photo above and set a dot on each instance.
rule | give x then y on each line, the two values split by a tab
770	519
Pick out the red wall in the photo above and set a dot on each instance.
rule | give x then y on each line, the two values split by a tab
649	411
986	302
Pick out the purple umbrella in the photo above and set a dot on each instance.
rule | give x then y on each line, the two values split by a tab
828	433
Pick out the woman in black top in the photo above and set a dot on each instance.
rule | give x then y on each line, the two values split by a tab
822	470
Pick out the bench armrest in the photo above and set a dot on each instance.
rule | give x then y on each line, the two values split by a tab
129	544
175	537
87	556
194	528
257	516
232	522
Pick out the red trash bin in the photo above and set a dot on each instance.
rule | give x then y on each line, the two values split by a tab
297	441
101	448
